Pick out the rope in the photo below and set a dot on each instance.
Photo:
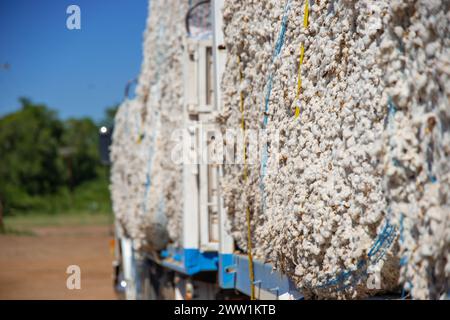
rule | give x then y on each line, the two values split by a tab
278	46
376	253
248	218
151	152
383	241
300	61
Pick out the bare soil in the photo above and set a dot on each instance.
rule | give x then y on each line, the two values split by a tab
34	267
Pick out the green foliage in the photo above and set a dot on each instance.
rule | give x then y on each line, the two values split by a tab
92	196
80	150
49	165
30	164
110	113
24	224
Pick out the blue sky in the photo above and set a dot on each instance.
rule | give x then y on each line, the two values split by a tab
76	72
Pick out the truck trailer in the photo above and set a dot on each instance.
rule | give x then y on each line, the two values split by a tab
347	193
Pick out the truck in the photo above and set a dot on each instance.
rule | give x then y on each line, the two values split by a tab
206	262
206	266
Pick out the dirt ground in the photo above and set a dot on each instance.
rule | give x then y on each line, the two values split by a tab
34	267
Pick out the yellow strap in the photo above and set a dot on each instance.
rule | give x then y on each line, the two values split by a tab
241	96
250	257
306	15
241	108
249	231
300	60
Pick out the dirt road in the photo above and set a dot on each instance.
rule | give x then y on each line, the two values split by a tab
34	267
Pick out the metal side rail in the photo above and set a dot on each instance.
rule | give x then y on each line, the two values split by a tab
189	261
269	284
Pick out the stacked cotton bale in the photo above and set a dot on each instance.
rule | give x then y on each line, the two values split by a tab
321	208
415	56
145	182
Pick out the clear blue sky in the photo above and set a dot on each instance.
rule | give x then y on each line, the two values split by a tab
76	72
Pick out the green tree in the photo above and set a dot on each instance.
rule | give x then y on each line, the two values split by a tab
80	150
29	155
49	165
